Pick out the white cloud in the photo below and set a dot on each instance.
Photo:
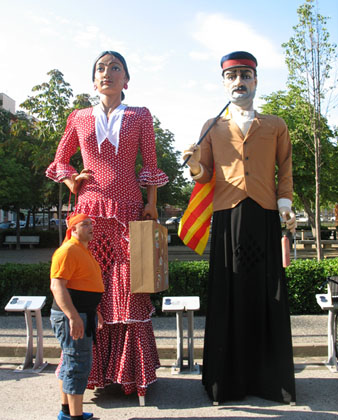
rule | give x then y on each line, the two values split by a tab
190	84
39	20
84	38
151	63
211	87
219	35
199	55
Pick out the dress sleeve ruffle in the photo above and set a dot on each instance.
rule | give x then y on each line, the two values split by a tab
60	167
58	171
149	176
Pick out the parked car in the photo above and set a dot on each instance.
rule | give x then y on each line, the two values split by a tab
5	225
302	219
22	224
173	221
56	222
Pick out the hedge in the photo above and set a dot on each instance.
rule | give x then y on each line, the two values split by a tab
187	278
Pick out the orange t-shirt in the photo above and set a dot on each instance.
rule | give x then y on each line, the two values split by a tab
75	263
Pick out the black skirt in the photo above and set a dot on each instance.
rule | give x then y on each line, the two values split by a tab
247	345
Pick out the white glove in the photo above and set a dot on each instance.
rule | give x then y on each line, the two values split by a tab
289	217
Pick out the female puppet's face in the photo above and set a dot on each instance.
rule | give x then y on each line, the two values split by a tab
110	76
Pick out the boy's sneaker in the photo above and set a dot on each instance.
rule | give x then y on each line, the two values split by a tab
63	416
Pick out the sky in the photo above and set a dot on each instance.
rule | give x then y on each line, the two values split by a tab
172	47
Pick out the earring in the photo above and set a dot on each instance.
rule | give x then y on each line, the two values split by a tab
125	86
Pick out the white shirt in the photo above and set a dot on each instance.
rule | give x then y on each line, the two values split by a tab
242	118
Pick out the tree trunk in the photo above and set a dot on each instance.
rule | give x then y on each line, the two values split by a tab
311	215
317	202
17	228
33	218
28	219
60	214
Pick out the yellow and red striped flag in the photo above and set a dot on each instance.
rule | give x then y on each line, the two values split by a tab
195	223
194	226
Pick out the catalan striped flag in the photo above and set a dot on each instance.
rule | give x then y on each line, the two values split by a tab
194	226
195	223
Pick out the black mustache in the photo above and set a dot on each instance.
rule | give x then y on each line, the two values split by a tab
241	88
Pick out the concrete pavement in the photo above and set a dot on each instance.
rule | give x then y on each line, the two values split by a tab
32	396
27	396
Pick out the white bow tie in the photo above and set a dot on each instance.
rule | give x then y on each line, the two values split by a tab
108	129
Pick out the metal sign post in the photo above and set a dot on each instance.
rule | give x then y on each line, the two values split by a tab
29	304
181	304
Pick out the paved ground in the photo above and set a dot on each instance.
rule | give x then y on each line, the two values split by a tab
32	396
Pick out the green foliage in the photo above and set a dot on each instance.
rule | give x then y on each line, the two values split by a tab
309	53
50	106
310	57
169	161
296	112
5	117
186	278
84	100
25	280
304	280
18	179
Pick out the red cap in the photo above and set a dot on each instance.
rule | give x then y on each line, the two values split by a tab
238	59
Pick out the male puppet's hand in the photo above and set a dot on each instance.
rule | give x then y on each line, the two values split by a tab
195	152
289	217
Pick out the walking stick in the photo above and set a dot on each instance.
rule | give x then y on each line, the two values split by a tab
207	131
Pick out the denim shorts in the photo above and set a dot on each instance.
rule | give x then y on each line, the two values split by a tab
77	354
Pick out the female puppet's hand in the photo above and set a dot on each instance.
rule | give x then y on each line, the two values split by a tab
75	181
150	212
100	320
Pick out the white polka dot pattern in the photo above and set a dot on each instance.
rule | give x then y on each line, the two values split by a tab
125	351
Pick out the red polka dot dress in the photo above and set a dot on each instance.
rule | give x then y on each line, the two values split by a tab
125	351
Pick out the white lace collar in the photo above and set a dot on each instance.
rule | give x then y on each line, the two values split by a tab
108	129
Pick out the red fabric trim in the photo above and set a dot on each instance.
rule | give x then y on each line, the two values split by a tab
238	62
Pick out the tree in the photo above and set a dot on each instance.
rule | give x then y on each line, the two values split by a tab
168	159
292	108
51	107
309	57
18	186
84	100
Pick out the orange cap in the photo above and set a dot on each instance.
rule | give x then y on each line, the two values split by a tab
73	220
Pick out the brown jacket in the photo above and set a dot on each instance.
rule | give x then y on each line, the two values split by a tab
246	166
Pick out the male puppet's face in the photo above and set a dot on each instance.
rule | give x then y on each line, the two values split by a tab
240	85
